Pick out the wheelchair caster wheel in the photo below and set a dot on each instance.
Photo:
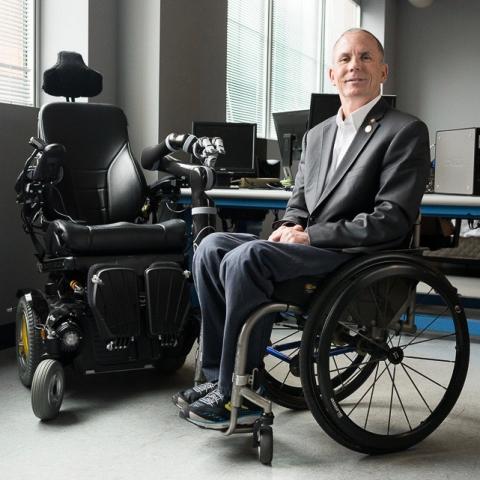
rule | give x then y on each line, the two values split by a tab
47	389
265	445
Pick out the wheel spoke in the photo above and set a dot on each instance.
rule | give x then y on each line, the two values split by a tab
429	340
369	388
427	327
284	338
336	367
430	359
371	395
398	396
424	376
370	340
416	388
369	362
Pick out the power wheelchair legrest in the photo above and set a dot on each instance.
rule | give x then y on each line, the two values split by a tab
118	290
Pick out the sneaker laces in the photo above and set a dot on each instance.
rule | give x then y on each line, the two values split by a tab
204	387
213	398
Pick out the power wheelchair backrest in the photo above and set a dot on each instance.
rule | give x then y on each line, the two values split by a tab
102	182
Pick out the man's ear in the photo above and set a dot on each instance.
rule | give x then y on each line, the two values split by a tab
331	75
385	72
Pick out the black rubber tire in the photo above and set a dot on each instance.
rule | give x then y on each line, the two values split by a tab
333	415
25	325
265	445
48	387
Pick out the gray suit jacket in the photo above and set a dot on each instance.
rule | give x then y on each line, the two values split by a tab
374	196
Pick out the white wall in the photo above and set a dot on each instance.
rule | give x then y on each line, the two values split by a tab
63	26
379	17
138	63
438	63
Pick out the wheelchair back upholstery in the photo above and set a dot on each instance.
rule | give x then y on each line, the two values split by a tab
102	182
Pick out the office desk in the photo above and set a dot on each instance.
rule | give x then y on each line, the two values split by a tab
450	206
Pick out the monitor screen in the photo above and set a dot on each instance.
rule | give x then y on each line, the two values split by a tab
239	142
290	128
326	105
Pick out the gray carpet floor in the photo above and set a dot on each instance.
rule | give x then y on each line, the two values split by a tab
123	426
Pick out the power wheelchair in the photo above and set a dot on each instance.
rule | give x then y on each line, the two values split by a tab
118	289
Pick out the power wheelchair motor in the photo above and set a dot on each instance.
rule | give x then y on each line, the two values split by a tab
378	351
118	292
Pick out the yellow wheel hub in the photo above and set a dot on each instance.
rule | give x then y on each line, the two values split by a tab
24	347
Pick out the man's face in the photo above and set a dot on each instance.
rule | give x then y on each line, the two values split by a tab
358	68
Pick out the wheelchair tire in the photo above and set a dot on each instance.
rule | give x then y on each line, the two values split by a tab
28	341
48	387
420	373
265	445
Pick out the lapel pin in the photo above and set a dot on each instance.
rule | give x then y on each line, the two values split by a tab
369	127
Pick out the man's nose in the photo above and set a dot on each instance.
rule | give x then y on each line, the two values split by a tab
354	63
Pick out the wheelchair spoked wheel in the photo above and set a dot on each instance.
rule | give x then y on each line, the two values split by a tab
28	341
418	373
48	387
281	374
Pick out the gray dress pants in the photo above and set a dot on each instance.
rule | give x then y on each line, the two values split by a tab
234	274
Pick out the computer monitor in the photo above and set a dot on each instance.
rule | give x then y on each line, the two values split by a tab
239	142
290	128
326	105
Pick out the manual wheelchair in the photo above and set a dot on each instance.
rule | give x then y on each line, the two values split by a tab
377	350
118	289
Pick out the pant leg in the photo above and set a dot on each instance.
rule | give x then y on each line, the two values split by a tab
248	274
205	269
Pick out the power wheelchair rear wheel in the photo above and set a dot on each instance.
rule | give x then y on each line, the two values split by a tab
28	341
419	366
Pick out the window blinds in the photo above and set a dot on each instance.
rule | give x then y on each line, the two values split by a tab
16	52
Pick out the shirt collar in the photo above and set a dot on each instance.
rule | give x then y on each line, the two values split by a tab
357	117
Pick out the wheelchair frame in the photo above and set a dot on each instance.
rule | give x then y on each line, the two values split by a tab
328	413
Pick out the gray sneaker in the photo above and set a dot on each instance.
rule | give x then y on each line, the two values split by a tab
186	397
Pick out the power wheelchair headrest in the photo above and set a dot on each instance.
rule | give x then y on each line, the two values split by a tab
71	78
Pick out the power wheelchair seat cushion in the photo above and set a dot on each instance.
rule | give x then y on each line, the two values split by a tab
65	238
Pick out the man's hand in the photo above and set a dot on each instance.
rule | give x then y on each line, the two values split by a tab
295	234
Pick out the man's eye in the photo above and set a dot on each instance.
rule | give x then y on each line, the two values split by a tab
366	57
343	59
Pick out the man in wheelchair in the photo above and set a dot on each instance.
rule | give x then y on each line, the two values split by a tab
360	181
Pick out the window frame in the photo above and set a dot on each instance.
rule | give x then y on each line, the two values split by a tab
269	132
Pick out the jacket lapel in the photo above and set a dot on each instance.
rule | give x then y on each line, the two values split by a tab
323	164
363	136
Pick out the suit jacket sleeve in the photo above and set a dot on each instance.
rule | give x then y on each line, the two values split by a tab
402	181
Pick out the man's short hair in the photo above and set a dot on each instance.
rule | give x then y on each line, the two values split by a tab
358	30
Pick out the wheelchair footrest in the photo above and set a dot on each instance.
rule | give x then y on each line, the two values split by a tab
113	298
167	295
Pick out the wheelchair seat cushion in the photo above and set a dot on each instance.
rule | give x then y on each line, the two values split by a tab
67	238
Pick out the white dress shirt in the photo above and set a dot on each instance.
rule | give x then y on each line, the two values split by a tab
346	131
